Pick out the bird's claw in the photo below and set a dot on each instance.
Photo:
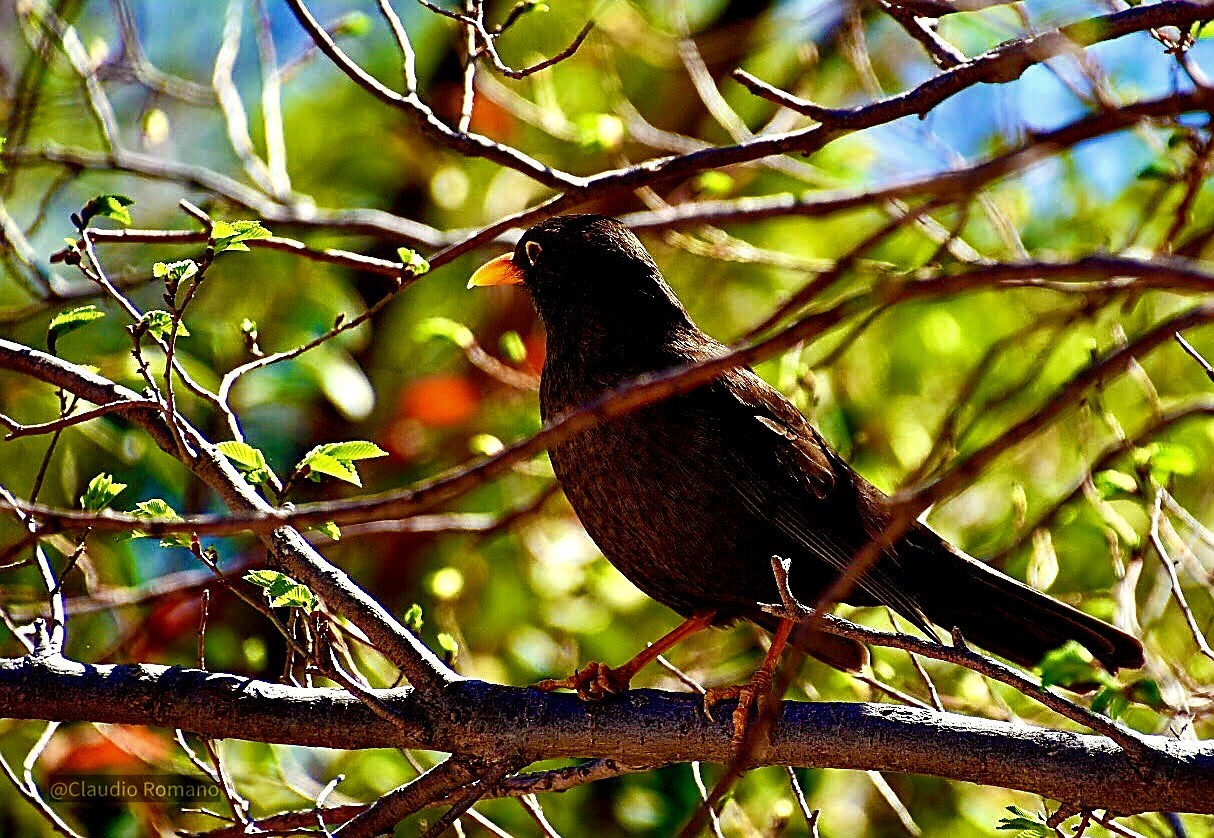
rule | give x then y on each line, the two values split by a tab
754	694
593	682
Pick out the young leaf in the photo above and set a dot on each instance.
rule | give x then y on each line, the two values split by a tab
357	449
107	206
450	648
249	461
319	463
158	508
413	261
281	590
269	579
70	321
337	459
297	596
159	324
330	529
175	271
230	235
242	455
413	618
1027	824
100	493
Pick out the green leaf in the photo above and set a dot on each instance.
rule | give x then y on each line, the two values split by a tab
513	347
1111	483
320	463
443	327
413	261
271	580
107	206
159	324
281	590
100	493
357	449
242	455
413	618
447	643
249	461
230	235
175	271
1146	691
158	508
154	508
329	529
337	459
1110	701
70	321
298	596
1071	666
1027	824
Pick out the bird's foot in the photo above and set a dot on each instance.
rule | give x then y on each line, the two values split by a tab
593	682
754	694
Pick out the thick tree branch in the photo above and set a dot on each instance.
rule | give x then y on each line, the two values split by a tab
641	726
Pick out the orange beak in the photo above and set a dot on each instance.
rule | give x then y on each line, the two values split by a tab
499	271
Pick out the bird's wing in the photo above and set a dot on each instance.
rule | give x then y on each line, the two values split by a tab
789	476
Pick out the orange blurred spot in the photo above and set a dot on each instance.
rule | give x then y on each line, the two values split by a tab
439	401
172	618
491	119
536	348
85	749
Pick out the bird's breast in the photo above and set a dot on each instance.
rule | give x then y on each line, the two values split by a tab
653	491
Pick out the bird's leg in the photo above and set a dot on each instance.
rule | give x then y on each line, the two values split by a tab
596	681
756	691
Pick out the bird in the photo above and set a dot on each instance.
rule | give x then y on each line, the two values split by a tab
692	496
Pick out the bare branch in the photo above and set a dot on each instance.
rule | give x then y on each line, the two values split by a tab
1084	770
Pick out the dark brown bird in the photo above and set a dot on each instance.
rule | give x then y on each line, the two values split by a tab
692	496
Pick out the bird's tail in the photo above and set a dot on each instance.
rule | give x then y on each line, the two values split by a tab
1001	615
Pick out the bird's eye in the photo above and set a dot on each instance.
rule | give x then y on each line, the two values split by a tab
533	249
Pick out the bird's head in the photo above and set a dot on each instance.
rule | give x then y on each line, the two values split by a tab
588	275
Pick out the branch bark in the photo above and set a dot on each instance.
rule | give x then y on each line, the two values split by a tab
642	726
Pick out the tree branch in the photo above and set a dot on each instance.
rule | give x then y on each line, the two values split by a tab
641	726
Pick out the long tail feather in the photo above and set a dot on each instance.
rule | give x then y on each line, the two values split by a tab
1001	615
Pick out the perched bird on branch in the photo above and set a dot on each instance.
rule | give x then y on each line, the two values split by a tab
691	497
